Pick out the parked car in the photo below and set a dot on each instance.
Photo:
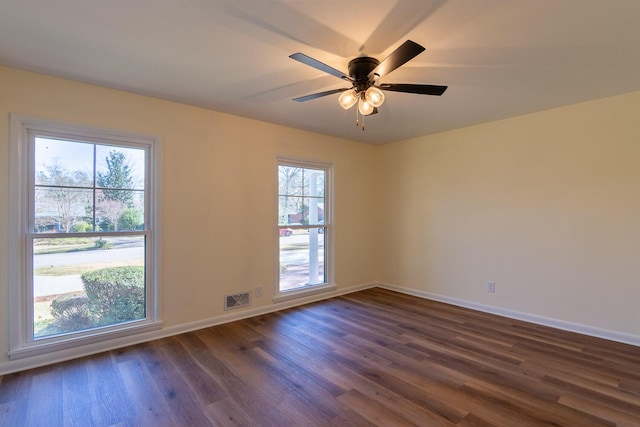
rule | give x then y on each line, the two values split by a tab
286	232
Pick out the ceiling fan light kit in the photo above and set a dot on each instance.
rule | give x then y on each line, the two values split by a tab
364	74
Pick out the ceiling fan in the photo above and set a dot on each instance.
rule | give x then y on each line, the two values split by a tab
364	75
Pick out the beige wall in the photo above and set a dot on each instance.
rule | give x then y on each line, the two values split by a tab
546	205
219	186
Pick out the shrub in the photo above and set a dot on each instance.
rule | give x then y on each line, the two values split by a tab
115	294
129	219
71	313
82	227
101	243
106	225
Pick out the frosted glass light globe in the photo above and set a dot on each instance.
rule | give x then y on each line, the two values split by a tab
364	107
374	96
348	98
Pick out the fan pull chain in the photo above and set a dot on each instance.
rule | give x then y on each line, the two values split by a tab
358	121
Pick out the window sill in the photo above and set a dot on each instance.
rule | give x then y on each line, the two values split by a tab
93	339
304	292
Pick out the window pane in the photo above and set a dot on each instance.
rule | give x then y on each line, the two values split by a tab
84	283
313	182
308	209
300	210
291	210
314	210
290	180
63	163
302	259
63	210
119	168
116	215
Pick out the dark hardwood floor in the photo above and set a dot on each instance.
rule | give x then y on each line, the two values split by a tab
370	358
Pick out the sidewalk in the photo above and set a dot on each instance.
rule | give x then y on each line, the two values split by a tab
56	285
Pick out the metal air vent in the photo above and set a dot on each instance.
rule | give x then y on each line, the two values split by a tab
236	300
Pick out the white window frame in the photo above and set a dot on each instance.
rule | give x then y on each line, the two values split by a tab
24	129
329	285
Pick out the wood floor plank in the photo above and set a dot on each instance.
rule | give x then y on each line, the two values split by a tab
376	392
14	397
375	414
43	409
264	397
177	395
110	403
201	384
78	395
370	358
150	408
597	409
227	413
541	411
627	403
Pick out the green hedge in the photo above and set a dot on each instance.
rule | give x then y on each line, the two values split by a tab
71	312
115	294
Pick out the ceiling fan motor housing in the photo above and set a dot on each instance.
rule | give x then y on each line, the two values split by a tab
359	69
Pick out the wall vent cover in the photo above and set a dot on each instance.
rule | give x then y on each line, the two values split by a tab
236	300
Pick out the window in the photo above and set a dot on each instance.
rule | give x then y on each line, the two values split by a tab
304	225
85	222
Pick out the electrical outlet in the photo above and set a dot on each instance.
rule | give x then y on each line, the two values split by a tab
491	287
258	291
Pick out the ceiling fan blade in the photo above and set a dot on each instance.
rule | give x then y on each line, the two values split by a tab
307	60
406	52
319	94
411	88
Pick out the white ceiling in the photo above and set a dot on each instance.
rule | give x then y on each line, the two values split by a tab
500	58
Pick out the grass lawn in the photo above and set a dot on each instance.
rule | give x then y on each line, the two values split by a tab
70	270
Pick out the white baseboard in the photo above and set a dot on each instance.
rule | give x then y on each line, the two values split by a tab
527	317
12	366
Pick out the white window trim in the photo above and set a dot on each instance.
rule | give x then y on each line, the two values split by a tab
281	296
20	345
